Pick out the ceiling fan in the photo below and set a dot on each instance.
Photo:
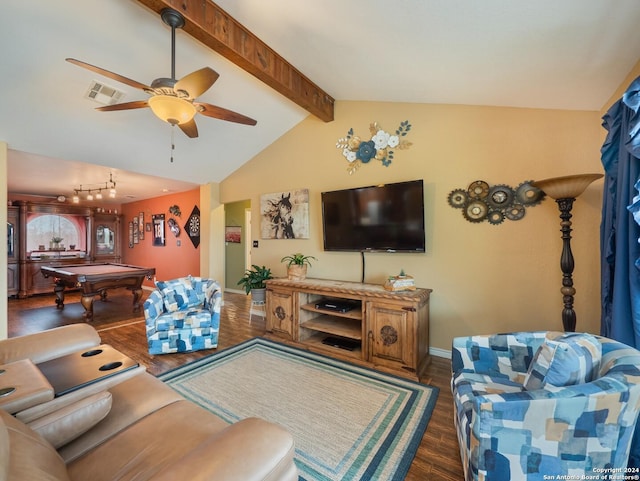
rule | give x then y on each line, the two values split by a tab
173	100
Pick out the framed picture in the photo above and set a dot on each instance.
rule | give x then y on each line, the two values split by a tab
130	235
147	227
233	234
158	229
285	215
141	225
136	233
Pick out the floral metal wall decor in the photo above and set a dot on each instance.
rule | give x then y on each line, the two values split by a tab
380	147
480	202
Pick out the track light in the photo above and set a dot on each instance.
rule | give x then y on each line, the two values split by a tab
110	185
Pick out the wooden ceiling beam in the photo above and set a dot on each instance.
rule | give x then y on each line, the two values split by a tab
215	28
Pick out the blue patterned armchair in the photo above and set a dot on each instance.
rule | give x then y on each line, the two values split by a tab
536	404
183	315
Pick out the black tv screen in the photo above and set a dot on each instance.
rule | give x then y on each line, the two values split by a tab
386	217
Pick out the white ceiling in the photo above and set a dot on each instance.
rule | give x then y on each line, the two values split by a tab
569	54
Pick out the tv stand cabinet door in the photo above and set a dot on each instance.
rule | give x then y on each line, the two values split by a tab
390	335
280	310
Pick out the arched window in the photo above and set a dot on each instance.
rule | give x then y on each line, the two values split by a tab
44	229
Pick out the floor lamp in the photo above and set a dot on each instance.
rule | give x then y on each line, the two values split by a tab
564	191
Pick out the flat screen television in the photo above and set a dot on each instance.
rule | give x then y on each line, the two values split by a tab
385	217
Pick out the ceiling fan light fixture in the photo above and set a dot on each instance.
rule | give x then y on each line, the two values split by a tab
172	110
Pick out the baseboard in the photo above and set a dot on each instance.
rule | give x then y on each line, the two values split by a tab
434	351
234	291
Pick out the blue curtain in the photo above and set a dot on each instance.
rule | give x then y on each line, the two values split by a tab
620	231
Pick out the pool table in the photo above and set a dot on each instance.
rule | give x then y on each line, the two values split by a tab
95	279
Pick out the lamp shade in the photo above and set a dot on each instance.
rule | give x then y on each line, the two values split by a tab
172	109
567	187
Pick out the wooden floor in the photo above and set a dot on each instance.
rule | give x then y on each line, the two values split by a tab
437	459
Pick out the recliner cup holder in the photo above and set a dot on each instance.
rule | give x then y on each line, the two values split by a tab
92	352
110	365
5	391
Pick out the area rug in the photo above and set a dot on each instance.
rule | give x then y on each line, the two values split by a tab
348	422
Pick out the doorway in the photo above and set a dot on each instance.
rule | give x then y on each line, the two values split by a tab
237	248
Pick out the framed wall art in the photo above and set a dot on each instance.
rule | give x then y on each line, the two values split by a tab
136	233
285	215
158	229
233	234
141	225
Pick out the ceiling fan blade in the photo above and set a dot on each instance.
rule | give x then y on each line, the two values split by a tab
107	73
197	83
189	128
136	104
223	114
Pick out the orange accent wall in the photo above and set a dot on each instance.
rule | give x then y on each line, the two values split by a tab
172	260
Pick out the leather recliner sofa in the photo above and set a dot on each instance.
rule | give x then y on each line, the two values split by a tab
133	428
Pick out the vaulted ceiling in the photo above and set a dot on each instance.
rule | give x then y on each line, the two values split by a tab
545	54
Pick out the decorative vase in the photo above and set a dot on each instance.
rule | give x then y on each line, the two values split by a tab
296	272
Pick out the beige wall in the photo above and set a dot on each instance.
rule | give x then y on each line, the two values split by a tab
211	233
635	72
485	278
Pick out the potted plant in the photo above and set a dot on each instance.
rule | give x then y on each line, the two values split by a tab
297	266
54	245
253	282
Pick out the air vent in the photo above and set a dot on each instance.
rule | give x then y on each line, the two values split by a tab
103	94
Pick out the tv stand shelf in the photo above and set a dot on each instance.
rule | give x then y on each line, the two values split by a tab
352	314
391	329
334	325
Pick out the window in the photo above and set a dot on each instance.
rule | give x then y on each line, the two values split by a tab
44	229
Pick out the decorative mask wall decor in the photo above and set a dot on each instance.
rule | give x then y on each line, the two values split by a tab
480	202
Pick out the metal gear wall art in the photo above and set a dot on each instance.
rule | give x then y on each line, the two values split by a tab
481	202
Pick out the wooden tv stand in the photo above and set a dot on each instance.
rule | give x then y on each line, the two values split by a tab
388	329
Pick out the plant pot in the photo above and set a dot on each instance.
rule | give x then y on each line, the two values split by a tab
258	295
296	272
